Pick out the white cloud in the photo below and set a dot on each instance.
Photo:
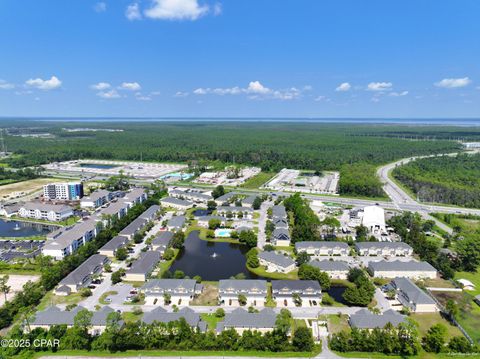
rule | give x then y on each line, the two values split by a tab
257	87
217	9
176	10
343	87
101	86
181	94
100	7
320	98
46	85
453	83
141	97
254	90
398	94
133	12
4	85
131	86
108	94
379	86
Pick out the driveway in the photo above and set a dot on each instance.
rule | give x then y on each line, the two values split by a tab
262	221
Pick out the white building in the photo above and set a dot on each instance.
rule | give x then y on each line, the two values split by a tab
275	262
394	249
63	191
96	199
374	219
334	269
45	211
323	248
176	203
408	269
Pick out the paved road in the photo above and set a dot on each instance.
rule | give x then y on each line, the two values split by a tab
262	221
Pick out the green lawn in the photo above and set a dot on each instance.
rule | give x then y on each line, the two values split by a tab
211	320
164	353
337	323
258	180
51	299
104	296
426	320
130	317
260	271
165	265
473	277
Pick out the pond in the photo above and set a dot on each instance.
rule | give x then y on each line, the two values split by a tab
23	229
99	166
336	293
211	260
202	212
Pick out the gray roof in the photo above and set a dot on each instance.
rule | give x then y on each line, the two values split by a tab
65	236
280	222
191	194
134	194
180	286
136	225
163	239
83	270
296	286
208	218
277	259
242	285
395	266
226	197
115	243
57	208
411	291
162	316
240	318
279	211
145	263
96	195
176	222
389	245
55	316
176	201
321	245
233	209
149	214
114	208
365	319
281	233
249	199
327	266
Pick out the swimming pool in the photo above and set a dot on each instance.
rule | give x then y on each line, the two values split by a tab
223	232
177	176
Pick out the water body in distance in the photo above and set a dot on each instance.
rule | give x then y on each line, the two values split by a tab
23	229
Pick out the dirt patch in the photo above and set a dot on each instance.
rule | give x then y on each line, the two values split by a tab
16	282
209	296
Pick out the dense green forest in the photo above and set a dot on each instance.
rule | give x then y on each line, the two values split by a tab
444	179
360	179
271	146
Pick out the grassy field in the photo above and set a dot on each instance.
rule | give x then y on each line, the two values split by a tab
211	320
130	317
260	271
164	353
29	186
51	299
258	180
426	320
165	265
337	323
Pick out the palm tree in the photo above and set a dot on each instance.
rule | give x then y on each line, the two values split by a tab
4	287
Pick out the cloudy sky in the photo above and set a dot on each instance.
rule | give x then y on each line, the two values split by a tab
240	58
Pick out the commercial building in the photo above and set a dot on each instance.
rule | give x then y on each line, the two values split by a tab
45	211
289	293
275	262
179	291
143	266
323	248
231	290
81	277
70	191
374	219
409	269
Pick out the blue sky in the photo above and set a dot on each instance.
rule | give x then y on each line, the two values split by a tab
240	58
